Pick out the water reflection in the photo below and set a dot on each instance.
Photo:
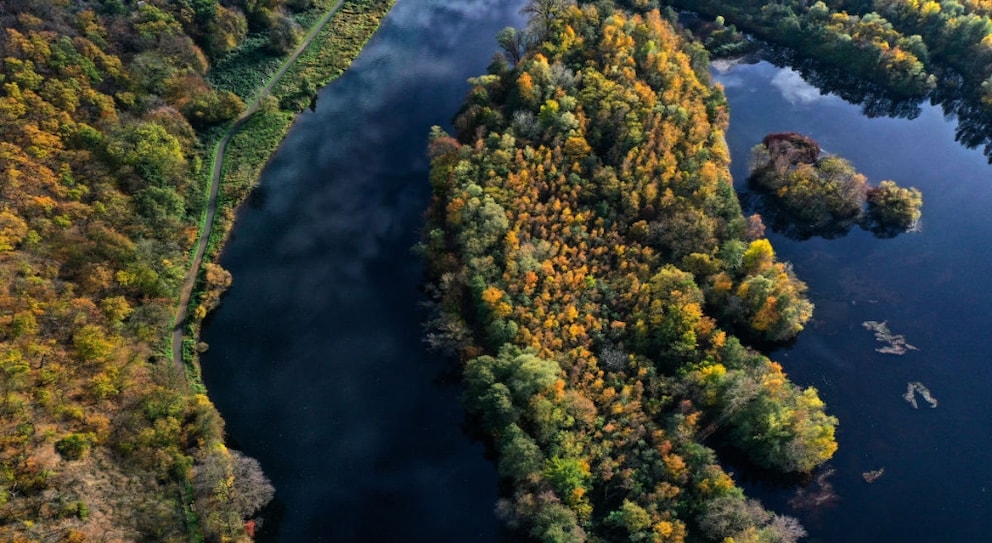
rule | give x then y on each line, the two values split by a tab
794	88
781	221
316	359
873	99
974	123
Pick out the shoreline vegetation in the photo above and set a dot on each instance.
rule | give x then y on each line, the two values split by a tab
109	112
591	270
334	48
893	53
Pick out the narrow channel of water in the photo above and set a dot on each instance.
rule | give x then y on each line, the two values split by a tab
929	286
316	360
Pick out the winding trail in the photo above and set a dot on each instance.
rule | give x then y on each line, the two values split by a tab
218	165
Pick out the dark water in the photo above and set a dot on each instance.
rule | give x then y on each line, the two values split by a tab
930	286
316	360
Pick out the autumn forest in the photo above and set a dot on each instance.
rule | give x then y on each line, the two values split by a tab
107	120
591	272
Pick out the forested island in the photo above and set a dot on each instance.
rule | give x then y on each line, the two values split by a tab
109	113
592	271
807	193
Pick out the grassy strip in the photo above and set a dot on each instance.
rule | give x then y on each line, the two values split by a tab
249	67
307	18
318	66
193	531
328	56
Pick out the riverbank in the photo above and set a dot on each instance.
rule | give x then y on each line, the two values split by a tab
325	312
327	55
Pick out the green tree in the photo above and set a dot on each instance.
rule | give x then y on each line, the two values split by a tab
284	34
892	206
212	107
633	519
520	458
155	153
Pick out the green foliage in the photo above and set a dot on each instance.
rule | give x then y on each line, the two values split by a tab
906	48
892	206
555	523
499	388
784	427
82	512
284	34
568	476
92	344
520	457
762	297
665	325
244	68
74	446
633	519
817	191
758	256
150	149
213	108
865	45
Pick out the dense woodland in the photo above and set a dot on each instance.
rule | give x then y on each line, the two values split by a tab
101	180
593	272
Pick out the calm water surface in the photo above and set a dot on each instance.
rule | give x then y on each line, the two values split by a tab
316	359
930	286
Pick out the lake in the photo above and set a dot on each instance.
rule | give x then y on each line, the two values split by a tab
317	364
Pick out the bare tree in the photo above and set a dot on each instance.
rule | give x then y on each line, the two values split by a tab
252	489
234	480
727	516
543	14
786	529
513	42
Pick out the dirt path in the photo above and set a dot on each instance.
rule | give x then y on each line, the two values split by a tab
218	165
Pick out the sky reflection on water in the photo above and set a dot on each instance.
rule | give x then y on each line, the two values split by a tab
316	357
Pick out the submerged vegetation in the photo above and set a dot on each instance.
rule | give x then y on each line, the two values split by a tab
915	387
823	195
590	259
873	475
894	343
